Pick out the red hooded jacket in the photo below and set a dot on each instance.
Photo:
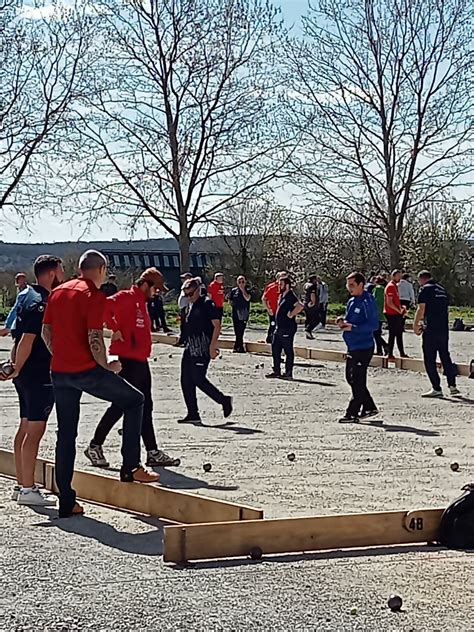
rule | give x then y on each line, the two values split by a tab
127	312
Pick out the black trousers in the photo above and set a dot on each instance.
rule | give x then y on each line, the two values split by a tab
158	318
239	330
271	328
357	363
283	341
435	342
193	376
396	324
138	375
313	318
182	325
379	341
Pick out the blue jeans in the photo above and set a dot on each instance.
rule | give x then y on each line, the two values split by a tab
103	384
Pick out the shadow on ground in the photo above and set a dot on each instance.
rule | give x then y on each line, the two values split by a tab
321	555
150	543
379	423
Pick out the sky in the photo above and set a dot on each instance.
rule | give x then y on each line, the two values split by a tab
46	228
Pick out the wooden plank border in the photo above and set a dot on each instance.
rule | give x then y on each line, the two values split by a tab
295	535
174	505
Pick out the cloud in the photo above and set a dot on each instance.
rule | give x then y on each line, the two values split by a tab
52	12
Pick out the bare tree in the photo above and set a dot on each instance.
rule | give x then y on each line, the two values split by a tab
247	229
383	93
42	49
186	114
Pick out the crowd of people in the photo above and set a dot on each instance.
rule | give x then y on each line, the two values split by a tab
59	353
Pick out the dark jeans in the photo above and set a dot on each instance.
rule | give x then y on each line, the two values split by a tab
138	375
158	318
435	342
323	313
103	384
193	376
357	363
283	341
379	341
313	318
239	329
396	324
271	329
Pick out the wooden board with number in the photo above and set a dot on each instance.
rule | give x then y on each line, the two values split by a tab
295	535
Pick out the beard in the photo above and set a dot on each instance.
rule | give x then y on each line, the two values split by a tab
55	282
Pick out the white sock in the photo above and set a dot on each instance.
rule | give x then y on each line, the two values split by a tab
25	490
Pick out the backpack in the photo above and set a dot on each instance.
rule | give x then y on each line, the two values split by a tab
459	325
456	530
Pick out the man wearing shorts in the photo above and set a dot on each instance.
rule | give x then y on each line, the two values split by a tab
32	379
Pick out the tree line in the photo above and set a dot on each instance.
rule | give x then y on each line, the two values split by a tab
346	139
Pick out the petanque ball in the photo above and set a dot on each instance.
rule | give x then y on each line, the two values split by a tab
438	451
256	553
454	466
7	368
395	603
291	456
207	467
353	611
170	355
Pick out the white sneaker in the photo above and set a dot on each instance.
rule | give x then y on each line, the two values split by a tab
35	498
318	327
16	492
453	390
95	454
433	394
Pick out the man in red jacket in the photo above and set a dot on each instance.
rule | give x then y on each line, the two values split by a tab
126	314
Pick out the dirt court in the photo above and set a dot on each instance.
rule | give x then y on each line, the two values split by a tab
105	572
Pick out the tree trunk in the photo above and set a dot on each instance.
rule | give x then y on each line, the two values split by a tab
184	246
394	246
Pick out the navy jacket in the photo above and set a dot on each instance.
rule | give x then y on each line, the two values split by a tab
362	313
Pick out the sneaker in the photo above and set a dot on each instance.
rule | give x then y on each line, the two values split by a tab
95	454
227	407
453	390
365	414
433	393
16	492
318	327
158	458
404	355
190	419
287	376
77	510
348	419
35	498
139	475
309	336
273	375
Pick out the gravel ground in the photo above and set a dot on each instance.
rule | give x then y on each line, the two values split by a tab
105	571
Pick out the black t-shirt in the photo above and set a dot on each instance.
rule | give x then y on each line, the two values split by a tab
29	320
240	306
309	289
199	327
286	304
436	301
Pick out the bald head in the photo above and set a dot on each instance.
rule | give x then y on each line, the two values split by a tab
93	266
92	260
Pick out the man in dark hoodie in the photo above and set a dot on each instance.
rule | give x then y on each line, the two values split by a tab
359	324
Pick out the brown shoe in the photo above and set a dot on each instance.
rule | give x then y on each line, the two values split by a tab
140	475
77	510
